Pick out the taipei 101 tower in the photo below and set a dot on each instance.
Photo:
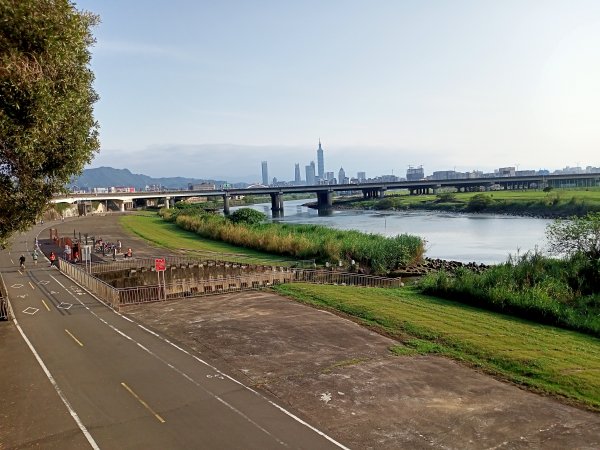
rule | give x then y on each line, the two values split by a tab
320	162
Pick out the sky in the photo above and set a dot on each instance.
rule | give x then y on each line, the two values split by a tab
209	89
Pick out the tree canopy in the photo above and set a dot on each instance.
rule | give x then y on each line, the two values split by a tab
47	128
577	235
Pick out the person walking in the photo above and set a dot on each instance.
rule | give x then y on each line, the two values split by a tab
22	262
52	259
34	256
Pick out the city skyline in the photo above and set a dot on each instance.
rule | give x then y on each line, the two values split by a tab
444	85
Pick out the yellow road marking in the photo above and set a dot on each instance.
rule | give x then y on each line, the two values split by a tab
74	338
160	419
31	286
45	305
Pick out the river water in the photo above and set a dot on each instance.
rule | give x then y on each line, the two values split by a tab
483	238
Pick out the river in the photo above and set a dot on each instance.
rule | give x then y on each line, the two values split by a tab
483	238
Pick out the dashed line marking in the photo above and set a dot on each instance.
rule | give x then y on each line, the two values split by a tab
154	413
45	304
74	338
32	287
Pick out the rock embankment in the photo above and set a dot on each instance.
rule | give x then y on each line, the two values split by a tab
434	265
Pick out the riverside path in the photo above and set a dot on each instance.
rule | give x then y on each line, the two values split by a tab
104	381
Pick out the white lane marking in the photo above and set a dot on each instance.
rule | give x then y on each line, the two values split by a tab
17	286
43	282
64	305
30	310
258	394
32	287
186	376
22	296
78	421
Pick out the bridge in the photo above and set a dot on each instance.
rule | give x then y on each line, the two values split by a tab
325	192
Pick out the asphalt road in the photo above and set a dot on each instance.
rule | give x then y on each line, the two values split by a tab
112	383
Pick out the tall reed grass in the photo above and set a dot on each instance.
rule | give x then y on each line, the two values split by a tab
377	253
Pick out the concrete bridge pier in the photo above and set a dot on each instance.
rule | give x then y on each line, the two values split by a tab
277	202
167	202
226	204
324	200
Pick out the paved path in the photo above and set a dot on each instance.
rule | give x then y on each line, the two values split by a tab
117	384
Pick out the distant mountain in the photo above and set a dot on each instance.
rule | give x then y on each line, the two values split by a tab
108	176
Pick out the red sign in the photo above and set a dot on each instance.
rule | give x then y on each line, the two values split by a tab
160	264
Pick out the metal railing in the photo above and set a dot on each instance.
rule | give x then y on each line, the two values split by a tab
183	288
5	313
344	278
103	290
178	261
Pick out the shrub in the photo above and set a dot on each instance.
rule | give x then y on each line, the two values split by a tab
248	216
479	202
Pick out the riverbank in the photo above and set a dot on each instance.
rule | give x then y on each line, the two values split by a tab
557	203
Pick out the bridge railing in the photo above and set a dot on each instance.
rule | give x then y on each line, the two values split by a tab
103	290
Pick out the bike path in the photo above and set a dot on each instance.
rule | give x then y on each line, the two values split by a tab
130	388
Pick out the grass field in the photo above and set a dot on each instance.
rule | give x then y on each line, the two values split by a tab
151	227
543	358
557	202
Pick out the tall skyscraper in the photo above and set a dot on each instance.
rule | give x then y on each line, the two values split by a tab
310	174
297	178
265	174
320	162
341	176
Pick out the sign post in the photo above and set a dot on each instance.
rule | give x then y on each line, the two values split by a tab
86	257
160	265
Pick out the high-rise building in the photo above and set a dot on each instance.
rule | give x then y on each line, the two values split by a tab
361	176
297	178
320	162
310	174
415	173
341	176
265	174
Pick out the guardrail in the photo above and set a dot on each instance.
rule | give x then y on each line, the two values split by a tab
103	290
5	313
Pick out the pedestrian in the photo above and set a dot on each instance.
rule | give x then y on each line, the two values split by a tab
76	257
129	253
34	255
119	246
22	262
52	259
114	253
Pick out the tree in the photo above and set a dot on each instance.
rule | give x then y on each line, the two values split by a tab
47	129
577	235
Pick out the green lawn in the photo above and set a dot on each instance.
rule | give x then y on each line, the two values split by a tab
151	227
543	358
557	202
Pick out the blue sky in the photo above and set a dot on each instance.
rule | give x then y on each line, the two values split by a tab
209	89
